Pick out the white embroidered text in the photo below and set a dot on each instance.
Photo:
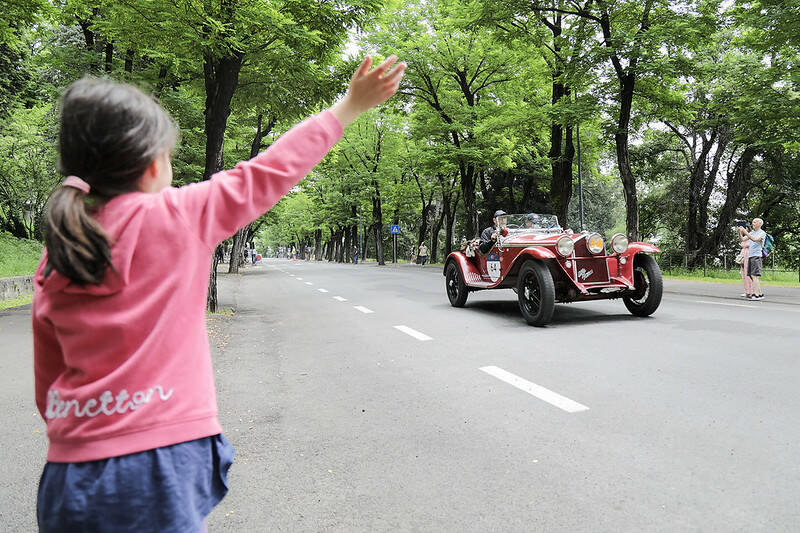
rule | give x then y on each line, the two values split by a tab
106	404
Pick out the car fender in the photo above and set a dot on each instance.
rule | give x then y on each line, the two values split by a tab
640	247
531	252
469	271
626	270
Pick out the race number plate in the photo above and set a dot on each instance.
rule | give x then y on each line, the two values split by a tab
493	267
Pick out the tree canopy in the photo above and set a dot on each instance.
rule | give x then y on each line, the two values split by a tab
687	112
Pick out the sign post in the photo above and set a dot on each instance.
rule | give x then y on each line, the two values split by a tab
395	231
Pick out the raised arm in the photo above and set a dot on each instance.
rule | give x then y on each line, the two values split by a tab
216	208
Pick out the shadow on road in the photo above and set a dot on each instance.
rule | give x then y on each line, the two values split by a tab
564	314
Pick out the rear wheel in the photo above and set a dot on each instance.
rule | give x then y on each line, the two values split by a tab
457	291
648	287
536	293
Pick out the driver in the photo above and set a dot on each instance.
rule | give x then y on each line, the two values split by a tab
529	219
489	235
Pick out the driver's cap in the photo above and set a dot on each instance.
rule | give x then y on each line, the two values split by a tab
499	213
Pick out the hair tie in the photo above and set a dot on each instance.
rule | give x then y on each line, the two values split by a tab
76	182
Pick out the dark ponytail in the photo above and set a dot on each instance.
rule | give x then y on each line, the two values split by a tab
77	246
110	133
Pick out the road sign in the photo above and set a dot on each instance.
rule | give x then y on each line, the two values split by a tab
395	229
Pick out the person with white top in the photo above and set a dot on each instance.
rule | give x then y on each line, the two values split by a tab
754	256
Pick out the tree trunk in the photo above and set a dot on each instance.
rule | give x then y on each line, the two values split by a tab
437	227
129	61
738	183
221	77
377	222
468	194
318	245
109	56
562	152
623	158
347	244
377	232
236	250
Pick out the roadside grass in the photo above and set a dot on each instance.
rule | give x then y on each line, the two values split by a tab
732	277
18	257
16	302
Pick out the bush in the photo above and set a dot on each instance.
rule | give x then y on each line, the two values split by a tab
18	257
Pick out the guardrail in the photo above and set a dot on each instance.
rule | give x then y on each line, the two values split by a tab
775	265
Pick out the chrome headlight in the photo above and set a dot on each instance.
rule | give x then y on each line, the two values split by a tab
595	243
565	246
619	243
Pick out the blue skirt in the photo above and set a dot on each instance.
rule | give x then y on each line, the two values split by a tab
169	489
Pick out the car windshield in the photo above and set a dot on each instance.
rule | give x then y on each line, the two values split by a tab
531	222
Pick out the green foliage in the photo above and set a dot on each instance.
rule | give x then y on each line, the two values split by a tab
470	130
18	257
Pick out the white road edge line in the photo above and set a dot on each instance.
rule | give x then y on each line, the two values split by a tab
322	290
339	298
363	309
533	389
414	333
723	303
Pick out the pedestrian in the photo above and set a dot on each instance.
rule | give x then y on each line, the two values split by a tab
754	257
122	367
423	254
355	255
742	259
253	252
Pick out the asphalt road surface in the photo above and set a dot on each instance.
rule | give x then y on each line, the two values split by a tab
359	400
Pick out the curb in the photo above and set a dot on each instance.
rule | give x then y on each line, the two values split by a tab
12	288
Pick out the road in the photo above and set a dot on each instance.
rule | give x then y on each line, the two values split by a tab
359	400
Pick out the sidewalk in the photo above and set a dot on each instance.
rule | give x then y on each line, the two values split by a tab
707	289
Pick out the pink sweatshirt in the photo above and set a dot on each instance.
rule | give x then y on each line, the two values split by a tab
125	366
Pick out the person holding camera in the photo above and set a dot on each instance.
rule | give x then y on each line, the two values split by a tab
754	255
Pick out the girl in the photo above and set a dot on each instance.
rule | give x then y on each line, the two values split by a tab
121	359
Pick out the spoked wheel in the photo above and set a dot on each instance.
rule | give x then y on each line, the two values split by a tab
648	287
457	291
536	293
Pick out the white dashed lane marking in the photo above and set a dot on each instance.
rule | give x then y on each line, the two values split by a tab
363	309
309	283
553	398
414	333
339	298
322	290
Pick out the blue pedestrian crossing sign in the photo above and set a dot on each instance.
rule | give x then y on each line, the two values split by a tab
395	229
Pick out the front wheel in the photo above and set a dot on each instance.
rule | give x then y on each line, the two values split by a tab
457	291
648	286
536	293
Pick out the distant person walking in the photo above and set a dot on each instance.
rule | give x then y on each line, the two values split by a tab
754	257
355	255
423	254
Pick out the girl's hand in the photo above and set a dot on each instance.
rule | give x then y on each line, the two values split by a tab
369	88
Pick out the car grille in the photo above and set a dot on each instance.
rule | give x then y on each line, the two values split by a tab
592	270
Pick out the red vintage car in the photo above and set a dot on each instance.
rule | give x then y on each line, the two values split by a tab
544	264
